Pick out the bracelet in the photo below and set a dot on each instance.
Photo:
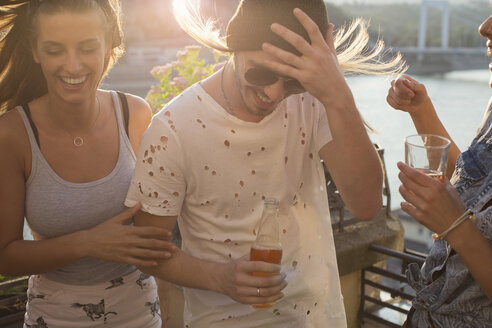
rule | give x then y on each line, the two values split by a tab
467	215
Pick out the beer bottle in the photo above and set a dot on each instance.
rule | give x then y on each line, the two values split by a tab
267	245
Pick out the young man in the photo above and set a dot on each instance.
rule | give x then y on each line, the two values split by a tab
258	129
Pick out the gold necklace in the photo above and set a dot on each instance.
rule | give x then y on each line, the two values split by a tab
78	141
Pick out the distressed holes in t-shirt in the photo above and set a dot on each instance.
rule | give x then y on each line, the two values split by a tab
199	98
151	173
303	142
236	195
204	126
254	193
227	241
176	193
161	169
303	135
263	197
199	121
233	131
152	149
172	174
164	139
295	306
276	312
214	173
308	312
206	168
302	183
156	194
167	113
241	183
286	159
249	153
284	231
263	148
146	153
311	156
170	122
253	172
150	160
140	187
173	127
227	143
294	264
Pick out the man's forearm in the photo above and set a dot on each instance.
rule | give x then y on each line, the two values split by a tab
188	271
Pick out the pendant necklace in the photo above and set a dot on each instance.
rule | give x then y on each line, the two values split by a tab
78	141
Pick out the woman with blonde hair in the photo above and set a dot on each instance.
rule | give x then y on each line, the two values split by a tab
67	156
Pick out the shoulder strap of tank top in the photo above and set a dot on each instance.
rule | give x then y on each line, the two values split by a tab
27	110
126	112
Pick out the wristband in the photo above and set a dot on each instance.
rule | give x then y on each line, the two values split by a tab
467	215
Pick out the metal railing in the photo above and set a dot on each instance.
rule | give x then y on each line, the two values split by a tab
12	306
337	206
395	284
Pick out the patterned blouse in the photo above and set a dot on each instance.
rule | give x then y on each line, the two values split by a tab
446	293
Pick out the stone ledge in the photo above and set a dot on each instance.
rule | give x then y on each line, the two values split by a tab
352	245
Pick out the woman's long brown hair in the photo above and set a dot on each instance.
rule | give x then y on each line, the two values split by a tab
21	78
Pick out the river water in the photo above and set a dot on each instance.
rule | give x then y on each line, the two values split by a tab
460	99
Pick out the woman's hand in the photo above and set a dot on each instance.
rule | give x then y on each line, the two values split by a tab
236	281
433	203
117	241
407	94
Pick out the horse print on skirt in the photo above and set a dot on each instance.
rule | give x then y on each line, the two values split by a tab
141	280
154	307
39	324
116	283
94	311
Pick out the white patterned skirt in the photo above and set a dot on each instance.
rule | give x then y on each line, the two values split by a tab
128	301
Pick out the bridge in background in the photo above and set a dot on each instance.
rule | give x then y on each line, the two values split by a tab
424	59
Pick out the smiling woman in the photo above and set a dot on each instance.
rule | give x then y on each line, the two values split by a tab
68	153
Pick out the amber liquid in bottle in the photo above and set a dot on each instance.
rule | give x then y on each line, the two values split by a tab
267	247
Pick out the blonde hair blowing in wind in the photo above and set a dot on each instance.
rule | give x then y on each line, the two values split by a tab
354	53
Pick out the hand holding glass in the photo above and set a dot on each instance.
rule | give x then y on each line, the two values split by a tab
427	153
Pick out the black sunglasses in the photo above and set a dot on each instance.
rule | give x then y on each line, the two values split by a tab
260	76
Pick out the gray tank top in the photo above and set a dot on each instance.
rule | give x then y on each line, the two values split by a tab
55	207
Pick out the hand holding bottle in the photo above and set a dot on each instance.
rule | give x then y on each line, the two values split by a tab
267	247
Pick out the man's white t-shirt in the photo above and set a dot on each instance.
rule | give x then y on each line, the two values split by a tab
213	170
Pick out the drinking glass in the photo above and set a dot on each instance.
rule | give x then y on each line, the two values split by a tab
428	153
